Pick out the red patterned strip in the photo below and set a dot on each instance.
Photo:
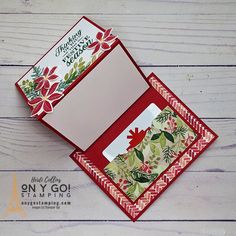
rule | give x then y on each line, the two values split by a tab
176	169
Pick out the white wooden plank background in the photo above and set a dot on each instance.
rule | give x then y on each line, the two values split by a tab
191	46
169	39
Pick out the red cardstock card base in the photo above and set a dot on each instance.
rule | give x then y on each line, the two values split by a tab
155	157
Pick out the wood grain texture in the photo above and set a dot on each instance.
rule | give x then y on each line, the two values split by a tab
120	7
191	46
212	194
27	144
169	39
204	90
119	228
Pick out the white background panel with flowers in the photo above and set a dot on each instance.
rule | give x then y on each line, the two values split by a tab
69	58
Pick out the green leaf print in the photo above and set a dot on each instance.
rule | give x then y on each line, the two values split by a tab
131	159
162	144
168	154
140	188
130	195
162	140
154	149
166	134
140	176
37	72
169	136
155	136
28	86
66	76
131	189
163	116
181	130
139	154
110	173
75	65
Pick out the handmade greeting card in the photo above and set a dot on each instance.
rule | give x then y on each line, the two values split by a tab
146	149
57	72
83	84
132	135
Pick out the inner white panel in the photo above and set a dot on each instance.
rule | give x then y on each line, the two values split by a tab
121	143
98	100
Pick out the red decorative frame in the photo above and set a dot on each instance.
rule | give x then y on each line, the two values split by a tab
135	209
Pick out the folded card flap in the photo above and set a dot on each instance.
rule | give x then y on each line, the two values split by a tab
45	84
99	99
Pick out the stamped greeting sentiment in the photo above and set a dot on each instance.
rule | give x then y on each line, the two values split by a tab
64	63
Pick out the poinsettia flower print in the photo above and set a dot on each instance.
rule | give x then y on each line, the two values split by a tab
44	102
103	42
44	80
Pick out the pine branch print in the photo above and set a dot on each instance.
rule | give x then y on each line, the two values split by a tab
37	72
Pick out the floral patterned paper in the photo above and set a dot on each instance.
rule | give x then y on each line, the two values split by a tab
166	138
67	55
42	77
45	78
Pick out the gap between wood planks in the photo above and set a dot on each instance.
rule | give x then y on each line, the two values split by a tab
217	170
184	220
